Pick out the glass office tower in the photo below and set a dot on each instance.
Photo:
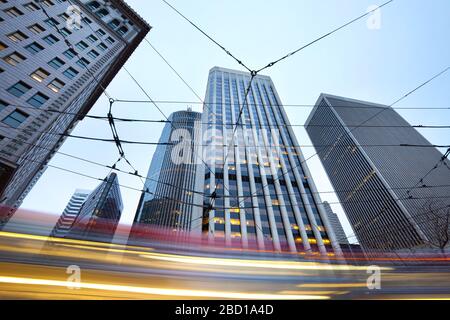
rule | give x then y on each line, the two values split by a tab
70	213
264	193
173	196
100	214
381	172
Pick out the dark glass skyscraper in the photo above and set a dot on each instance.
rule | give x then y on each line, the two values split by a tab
174	183
385	187
264	190
70	214
100	213
46	88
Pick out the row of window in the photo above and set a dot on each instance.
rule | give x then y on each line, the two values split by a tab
30	6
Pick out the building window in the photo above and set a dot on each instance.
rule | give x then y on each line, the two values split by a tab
86	20
34	48
100	32
110	40
70	73
19	89
13	12
82	45
36	28
83	62
51	39
64	16
31	6
14	58
92	38
56	63
102	46
93	54
48	3
15	119
17	36
94	5
102	13
3	46
56	85
114	24
122	31
65	32
51	22
38	100
3	105
70	54
39	75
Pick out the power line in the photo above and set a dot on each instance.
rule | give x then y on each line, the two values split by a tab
271	64
135	174
370	118
208	36
105	118
178	75
309	106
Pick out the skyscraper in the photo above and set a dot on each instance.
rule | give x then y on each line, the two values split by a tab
263	190
100	213
70	214
336	225
50	79
174	183
385	173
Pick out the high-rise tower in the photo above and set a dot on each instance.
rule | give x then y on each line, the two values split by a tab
264	193
100	213
173	195
392	183
56	57
70	214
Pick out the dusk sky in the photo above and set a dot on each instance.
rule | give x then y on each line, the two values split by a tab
377	65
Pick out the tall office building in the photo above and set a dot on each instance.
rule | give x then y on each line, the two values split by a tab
341	237
70	214
264	191
174	183
100	213
50	79
378	181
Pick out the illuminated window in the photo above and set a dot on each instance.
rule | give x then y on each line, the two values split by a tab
13	12
36	28
235	222
39	75
219	220
17	36
235	210
14	58
56	85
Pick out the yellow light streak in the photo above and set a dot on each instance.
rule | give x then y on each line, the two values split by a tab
252	263
159	291
333	285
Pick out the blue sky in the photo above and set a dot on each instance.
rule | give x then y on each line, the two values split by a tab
357	62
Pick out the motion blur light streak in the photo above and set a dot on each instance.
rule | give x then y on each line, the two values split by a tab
161	291
253	263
